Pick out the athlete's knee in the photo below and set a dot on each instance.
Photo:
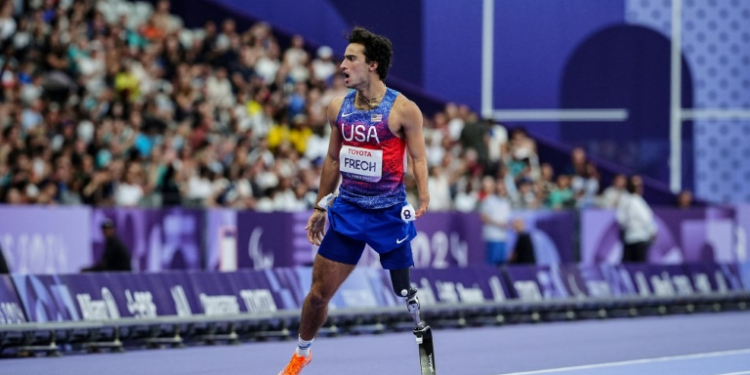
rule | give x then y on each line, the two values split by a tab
318	297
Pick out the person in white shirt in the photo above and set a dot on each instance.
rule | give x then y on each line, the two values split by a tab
495	213
129	192
636	220
219	89
439	185
611	195
323	67
467	198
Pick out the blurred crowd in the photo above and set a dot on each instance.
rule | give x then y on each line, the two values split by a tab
116	103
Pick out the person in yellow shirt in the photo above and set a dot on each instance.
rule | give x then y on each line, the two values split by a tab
127	84
300	133
278	134
297	135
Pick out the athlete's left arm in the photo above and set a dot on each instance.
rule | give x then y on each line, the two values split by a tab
411	122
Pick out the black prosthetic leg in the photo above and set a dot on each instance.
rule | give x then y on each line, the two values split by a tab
422	331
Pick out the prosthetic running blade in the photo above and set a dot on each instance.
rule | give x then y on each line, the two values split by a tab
423	334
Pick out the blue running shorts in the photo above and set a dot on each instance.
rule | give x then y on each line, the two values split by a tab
351	227
496	252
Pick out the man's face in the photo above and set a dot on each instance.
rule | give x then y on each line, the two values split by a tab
620	182
354	67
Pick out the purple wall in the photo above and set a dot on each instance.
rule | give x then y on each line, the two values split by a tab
264	240
444	239
44	239
453	50
157	239
40	240
400	21
693	235
530	77
221	239
552	233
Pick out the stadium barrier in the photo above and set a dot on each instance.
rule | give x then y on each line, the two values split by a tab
54	313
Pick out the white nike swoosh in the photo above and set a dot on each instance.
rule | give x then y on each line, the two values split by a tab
347	114
402	240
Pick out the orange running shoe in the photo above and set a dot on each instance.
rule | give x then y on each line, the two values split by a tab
296	364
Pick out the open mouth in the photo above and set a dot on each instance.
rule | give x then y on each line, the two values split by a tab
346	78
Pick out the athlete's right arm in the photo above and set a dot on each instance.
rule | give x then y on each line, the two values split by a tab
329	178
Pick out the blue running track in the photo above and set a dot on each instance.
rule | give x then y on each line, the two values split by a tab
704	344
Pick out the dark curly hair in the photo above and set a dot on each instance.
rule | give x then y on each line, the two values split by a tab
377	48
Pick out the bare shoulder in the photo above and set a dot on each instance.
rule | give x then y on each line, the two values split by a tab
403	105
407	111
334	108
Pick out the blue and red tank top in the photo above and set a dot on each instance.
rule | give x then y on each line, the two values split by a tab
372	160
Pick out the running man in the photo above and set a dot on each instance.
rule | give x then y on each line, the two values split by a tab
372	128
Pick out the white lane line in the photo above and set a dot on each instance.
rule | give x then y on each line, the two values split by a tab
637	362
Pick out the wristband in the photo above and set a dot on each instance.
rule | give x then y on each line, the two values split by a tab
325	202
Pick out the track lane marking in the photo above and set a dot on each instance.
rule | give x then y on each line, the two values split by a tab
638	362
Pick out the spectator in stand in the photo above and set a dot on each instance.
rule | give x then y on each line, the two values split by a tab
129	191
99	189
611	195
474	136
685	199
7	23
323	67
338	88
562	195
438	184
198	187
300	134
636	221
89	94
163	20
522	157
435	132
504	177
578	160
219	89
455	121
546	183
467	199
527	198
62	179
285	199
169	189
495	213
497	142
295	55
586	186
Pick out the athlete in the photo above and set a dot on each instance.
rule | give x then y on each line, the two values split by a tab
372	129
